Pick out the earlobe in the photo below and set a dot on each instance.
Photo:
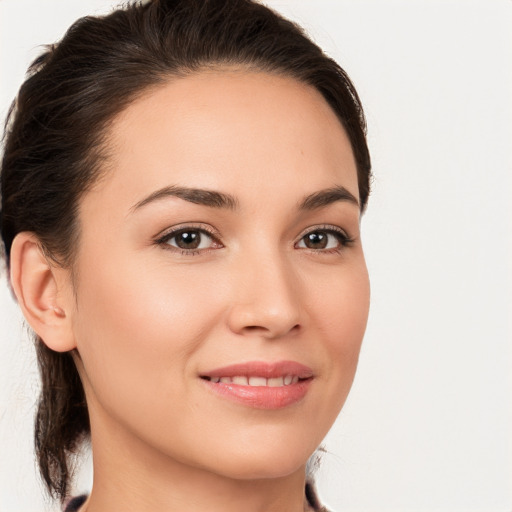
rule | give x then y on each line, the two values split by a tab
38	287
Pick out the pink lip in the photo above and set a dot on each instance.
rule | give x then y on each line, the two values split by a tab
262	369
261	397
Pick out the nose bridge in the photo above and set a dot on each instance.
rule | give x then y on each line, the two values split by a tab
266	298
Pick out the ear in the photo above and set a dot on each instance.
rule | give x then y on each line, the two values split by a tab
42	290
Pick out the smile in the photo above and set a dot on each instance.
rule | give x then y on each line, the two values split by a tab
261	385
242	380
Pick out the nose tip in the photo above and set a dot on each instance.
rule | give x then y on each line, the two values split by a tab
251	318
267	304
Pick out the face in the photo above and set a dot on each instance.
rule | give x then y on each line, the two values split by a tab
221	289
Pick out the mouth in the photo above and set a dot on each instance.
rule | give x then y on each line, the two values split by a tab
261	385
243	380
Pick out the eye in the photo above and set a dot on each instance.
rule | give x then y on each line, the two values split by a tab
189	240
324	240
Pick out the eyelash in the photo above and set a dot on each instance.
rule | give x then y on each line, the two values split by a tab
174	232
163	240
340	235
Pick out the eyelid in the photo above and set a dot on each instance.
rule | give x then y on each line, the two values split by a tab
165	235
325	227
345	241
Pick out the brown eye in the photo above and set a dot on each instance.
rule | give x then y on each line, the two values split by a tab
189	239
323	239
316	240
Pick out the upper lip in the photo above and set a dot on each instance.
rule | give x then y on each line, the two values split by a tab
262	369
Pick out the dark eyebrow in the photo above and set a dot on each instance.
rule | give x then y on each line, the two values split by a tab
209	198
326	197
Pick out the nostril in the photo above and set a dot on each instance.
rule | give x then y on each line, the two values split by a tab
295	328
264	319
270	332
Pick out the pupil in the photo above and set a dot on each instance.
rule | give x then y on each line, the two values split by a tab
188	240
316	240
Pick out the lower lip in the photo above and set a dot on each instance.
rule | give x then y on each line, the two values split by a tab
261	397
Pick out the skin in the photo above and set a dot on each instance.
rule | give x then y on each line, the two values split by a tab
148	318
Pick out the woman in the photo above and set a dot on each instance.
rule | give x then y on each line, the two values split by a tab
182	185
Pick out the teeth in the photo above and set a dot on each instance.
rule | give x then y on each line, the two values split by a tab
275	382
257	381
242	380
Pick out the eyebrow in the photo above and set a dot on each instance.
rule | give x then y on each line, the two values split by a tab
326	197
204	197
214	199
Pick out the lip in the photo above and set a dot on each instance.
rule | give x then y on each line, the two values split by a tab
261	397
262	369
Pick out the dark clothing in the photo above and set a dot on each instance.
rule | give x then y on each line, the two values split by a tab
75	503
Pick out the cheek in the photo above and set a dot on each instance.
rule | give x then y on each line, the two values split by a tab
133	299
341	305
136	329
342	310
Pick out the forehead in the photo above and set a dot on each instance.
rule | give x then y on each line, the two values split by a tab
232	130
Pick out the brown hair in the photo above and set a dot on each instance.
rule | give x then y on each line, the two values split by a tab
54	142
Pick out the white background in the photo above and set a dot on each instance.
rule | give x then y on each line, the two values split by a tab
428	425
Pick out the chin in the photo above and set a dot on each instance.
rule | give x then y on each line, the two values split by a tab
251	470
265	461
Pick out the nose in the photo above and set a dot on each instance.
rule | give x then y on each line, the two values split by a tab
266	299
